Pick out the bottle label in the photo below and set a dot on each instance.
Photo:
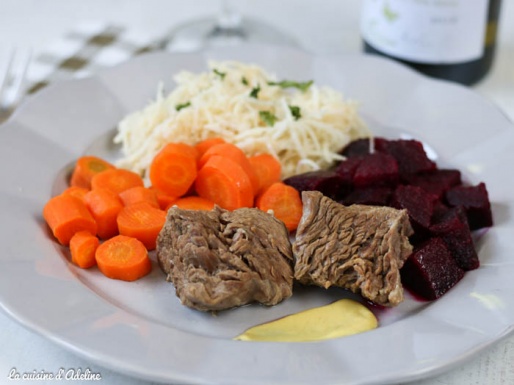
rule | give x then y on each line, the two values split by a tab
426	31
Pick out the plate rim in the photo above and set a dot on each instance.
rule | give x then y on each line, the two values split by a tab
65	342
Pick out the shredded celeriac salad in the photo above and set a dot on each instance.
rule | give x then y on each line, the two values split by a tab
300	123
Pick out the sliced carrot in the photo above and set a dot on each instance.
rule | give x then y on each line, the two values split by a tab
267	168
173	170
123	258
233	152
204	145
67	215
105	207
164	199
86	168
193	203
285	201
224	182
141	221
139	194
116	180
83	246
78	192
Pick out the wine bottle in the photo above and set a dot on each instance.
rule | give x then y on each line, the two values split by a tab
447	39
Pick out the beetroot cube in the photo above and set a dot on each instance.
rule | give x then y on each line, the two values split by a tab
358	147
376	169
409	154
453	229
436	182
346	169
440	210
419	205
329	183
361	147
375	196
475	201
431	271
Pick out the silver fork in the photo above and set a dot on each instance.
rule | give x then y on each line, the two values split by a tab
12	81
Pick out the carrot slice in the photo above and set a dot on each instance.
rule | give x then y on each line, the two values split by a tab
173	170
67	215
233	152
86	168
83	246
267	168
105	207
78	192
139	194
193	203
116	180
204	145
164	199
285	201
224	182
123	258
141	221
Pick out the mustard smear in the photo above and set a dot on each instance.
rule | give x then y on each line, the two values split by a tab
341	318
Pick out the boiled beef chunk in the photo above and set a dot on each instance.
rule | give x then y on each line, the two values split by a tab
431	270
475	201
330	183
360	248
221	259
452	227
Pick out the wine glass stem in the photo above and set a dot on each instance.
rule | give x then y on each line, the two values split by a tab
229	19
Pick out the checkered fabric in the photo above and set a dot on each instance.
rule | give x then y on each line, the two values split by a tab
84	50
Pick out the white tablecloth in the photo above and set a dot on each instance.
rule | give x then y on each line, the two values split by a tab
328	26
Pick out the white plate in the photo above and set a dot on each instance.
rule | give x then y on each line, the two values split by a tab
141	329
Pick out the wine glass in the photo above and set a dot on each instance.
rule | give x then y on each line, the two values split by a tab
228	28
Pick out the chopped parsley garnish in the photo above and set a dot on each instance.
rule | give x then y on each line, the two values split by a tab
302	86
244	81
295	111
254	93
268	118
178	107
220	74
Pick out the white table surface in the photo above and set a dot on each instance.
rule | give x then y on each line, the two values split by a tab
327	26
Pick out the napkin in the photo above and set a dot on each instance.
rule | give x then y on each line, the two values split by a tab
90	46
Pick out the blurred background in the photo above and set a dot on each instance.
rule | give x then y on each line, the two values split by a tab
329	26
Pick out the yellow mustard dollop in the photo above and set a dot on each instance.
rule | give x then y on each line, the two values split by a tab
338	319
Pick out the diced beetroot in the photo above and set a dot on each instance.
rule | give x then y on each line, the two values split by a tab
346	169
376	169
453	229
436	182
329	183
375	196
440	210
409	154
361	147
475	201
355	148
419	205
431	271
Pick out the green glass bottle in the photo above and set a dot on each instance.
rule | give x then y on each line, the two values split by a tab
447	39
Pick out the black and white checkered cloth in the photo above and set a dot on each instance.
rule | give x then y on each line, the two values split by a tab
81	52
